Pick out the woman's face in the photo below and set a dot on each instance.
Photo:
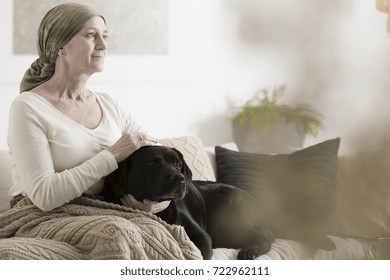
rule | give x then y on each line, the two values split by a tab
85	52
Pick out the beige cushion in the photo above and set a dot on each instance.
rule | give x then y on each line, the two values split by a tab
363	194
5	180
194	154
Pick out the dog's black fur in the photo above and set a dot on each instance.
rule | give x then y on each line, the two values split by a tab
213	214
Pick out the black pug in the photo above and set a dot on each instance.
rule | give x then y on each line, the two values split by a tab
214	215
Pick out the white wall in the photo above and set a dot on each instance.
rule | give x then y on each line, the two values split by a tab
343	73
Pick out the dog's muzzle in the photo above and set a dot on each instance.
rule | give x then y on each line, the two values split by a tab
174	187
177	178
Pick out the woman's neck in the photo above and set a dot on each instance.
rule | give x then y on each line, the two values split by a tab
63	87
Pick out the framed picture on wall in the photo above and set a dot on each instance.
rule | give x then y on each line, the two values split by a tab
149	40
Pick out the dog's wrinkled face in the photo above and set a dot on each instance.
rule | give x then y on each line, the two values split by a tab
156	173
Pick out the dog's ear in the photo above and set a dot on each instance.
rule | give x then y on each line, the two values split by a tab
184	169
117	180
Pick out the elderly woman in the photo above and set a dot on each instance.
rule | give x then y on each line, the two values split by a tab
63	138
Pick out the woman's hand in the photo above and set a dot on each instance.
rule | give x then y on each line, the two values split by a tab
129	143
147	205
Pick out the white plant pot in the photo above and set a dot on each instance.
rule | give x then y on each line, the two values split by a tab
283	138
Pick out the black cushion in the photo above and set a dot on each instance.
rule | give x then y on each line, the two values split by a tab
296	191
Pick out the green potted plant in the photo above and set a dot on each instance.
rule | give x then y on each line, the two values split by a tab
264	125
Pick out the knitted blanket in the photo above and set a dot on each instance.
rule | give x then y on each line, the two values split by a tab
90	229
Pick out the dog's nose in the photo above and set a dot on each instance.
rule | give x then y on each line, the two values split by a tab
177	178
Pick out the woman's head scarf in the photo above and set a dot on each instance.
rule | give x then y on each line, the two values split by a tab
56	29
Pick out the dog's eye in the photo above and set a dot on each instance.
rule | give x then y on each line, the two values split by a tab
150	163
177	164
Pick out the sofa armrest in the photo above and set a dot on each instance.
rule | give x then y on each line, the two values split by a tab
5	180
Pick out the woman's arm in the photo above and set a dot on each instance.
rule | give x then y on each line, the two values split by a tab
33	162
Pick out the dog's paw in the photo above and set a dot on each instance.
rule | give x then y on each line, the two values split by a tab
249	253
252	252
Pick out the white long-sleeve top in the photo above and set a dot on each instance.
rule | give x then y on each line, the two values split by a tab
55	159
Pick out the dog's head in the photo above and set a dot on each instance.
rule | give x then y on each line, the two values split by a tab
155	173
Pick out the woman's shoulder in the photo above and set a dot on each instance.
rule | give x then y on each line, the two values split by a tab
102	95
105	98
25	95
28	98
28	104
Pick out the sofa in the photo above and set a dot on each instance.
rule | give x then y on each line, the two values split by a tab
355	209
